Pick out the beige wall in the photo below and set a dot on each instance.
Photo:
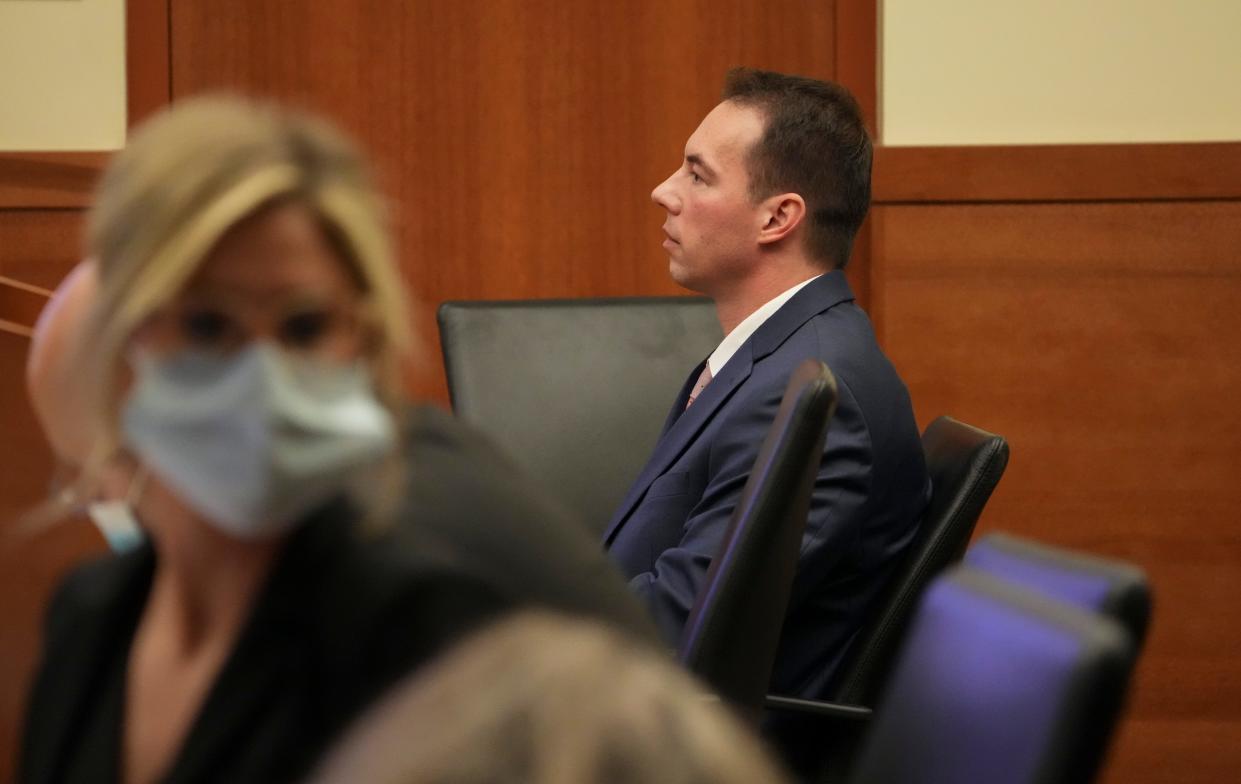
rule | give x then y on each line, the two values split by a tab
62	74
966	72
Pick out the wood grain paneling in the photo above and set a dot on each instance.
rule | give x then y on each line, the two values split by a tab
41	196
30	564
48	179
857	48
1089	172
20	305
148	81
1101	339
38	246
518	139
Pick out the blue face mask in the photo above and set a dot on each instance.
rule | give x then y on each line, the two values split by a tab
118	524
116	519
253	441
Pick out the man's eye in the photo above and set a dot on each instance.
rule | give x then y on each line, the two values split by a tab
694	177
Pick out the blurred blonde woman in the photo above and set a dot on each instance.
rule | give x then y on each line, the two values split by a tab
540	699
244	352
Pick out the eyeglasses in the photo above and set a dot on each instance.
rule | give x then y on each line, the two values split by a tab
324	330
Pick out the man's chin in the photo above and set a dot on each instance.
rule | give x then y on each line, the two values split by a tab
683	277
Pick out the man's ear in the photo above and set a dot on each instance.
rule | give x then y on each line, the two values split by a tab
781	215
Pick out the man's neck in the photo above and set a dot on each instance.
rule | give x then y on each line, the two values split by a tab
769	281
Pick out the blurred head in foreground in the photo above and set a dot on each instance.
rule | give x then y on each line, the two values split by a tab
61	405
56	392
246	338
539	699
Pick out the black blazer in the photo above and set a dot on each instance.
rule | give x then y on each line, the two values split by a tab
469	505
338	621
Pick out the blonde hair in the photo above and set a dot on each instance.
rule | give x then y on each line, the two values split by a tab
188	176
542	699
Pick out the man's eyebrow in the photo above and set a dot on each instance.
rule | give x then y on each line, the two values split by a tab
694	159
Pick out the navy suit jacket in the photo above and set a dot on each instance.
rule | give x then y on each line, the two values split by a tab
868	498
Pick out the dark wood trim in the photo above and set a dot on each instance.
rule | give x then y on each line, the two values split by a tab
49	179
1086	172
66	179
857	68
20	305
147	58
857	51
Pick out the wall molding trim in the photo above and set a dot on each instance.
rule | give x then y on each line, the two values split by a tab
1042	173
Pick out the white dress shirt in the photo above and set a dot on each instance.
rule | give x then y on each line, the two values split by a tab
742	332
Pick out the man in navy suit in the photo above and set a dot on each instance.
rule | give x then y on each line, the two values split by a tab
761	216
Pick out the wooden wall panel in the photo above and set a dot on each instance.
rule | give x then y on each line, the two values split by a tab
519	139
38	246
1101	339
41	199
30	563
48	179
1078	172
147	76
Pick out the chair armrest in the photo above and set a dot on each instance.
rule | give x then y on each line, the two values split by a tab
834	710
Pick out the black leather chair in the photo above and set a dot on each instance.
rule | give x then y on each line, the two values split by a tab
998	684
1113	588
575	390
965	464
731	634
819	739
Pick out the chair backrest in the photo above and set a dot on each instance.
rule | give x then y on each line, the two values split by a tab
575	390
996	683
965	464
733	629
1111	587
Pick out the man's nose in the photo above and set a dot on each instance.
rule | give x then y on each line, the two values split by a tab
665	197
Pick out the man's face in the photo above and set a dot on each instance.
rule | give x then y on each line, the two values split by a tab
712	226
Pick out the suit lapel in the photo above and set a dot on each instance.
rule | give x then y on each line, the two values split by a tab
678	405
681	429
820	294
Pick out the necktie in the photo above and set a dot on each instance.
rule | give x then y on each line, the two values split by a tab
703	379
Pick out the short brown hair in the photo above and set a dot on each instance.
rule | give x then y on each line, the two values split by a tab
814	144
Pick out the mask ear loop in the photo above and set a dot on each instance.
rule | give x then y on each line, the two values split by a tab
63	487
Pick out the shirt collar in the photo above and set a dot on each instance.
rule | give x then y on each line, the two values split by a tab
742	332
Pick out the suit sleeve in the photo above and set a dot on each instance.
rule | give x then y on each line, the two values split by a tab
669	590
